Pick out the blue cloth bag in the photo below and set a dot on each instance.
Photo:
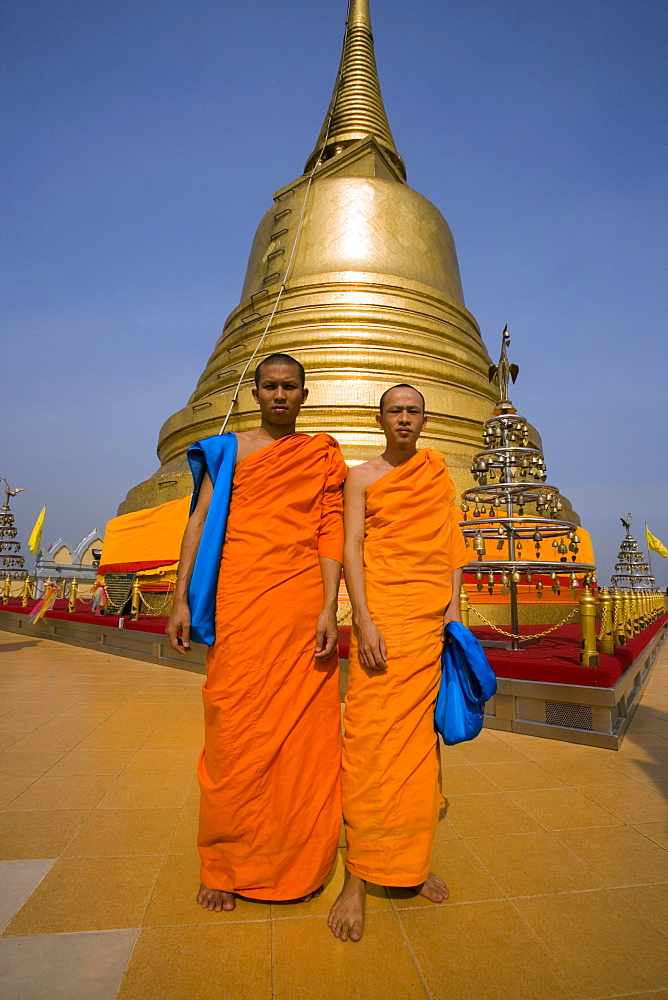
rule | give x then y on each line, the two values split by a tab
217	456
467	682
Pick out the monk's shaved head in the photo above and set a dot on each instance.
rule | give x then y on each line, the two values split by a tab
402	385
280	359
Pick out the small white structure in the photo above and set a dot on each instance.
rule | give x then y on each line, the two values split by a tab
61	562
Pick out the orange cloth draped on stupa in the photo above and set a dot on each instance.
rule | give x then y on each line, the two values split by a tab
391	767
269	773
145	539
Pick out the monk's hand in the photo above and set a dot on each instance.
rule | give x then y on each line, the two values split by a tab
179	622
326	634
372	647
452	614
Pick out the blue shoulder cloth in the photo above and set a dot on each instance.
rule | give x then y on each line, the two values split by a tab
217	456
467	682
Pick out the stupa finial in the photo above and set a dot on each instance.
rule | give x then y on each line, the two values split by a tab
503	373
356	109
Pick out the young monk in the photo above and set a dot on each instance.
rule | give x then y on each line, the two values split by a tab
402	561
270	770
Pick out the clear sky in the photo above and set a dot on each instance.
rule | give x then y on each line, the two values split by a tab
143	142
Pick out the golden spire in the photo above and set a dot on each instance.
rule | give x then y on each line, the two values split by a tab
356	109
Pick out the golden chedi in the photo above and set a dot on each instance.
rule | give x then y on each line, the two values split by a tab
356	275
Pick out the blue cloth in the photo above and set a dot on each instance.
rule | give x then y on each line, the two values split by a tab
467	682
217	456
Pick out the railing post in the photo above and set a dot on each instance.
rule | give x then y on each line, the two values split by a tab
6	589
618	629
464	606
26	592
607	640
136	600
588	656
74	590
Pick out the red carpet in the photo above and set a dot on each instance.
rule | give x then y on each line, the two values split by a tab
554	659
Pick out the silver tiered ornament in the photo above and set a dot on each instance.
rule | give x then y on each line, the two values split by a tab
511	476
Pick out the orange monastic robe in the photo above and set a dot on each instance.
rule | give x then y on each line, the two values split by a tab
269	772
391	787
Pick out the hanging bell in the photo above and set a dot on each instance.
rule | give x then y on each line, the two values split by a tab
537	537
501	531
562	550
479	544
515	576
504	579
490	579
478	574
529	576
574	581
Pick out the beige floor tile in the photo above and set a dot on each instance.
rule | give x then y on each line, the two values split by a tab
81	791
465	877
605	945
658	832
38	833
116	832
17	880
184	840
620	855
65	966
654	995
37	743
651	901
193	796
517	775
173	901
483	815
451	755
311	964
11	787
186	739
631	802
113	740
160	791
588	771
645	771
201	963
89	894
8	740
489	753
97	762
531	863
163	762
377	897
563	809
34	763
483	950
465	779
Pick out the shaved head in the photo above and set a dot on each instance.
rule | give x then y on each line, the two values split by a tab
280	359
402	385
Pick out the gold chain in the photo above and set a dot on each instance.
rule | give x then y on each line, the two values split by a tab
604	619
153	609
536	635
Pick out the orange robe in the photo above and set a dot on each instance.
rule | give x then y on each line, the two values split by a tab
391	769
270	770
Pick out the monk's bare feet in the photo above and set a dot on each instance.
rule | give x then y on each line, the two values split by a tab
214	899
434	889
346	917
310	895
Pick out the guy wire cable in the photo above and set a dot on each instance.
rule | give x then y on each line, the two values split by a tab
300	224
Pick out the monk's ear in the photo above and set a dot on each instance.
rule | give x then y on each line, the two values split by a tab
379	420
304	394
424	421
255	395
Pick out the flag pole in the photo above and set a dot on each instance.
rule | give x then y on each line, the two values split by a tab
649	558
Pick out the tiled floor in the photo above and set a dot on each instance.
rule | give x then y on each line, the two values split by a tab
556	856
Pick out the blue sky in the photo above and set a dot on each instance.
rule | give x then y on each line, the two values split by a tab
143	142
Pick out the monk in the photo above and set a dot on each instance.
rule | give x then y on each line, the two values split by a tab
269	772
402	561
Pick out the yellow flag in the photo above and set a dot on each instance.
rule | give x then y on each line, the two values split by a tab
36	533
654	544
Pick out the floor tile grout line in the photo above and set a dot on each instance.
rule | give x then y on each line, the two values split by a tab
411	952
129	959
649	919
272	939
543	944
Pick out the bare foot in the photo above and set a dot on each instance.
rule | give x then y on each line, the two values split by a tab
310	895
214	899
346	917
434	889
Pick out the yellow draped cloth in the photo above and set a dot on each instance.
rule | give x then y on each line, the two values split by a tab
270	770
391	768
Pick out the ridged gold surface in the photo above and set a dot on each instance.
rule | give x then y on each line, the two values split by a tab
356	109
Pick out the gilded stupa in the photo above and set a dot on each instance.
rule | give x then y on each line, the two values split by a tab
356	275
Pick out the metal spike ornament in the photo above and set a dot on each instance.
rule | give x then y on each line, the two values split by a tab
511	475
